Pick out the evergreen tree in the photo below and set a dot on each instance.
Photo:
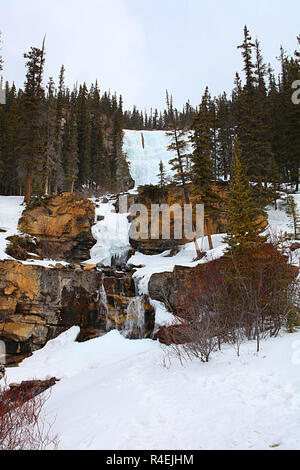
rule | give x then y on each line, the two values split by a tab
162	175
252	117
9	138
202	171
84	137
225	136
180	163
51	157
242	227
100	163
31	137
70	150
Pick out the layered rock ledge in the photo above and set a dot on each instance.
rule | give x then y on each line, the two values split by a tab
38	303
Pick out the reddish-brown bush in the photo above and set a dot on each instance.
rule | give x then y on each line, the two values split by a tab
23	424
245	295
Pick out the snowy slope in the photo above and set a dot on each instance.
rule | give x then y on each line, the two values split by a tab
163	263
122	395
144	162
279	222
10	211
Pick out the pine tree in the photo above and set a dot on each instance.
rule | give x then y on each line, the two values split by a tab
51	149
100	164
246	48
10	139
162	175
202	171
84	137
251	116
180	163
225	135
31	138
242	227
70	150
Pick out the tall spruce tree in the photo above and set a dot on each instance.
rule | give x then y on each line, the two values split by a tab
251	116
162	175
202	169
31	125
180	164
225	136
84	137
242	228
51	139
70	149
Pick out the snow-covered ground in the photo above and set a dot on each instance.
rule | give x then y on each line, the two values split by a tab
279	222
10	211
163	263
121	394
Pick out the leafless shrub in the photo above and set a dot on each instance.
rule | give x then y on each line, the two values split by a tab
23	424
249	295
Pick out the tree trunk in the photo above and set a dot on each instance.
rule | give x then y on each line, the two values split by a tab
208	230
187	201
28	189
46	186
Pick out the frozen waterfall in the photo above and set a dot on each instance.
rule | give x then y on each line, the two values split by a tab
145	150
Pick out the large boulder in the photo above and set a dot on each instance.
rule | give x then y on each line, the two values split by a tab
61	226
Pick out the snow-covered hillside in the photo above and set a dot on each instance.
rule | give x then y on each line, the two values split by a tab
10	211
122	395
145	149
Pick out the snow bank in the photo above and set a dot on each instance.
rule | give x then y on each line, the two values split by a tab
10	211
121	395
163	263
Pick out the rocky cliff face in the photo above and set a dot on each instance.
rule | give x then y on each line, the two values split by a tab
37	304
59	227
177	291
171	196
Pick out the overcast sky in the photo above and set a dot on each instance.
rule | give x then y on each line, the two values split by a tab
141	47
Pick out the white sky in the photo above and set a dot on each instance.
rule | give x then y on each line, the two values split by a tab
139	48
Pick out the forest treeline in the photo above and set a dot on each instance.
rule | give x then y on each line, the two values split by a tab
260	112
55	139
